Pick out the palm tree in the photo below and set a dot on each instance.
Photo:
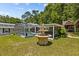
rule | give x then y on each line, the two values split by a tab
35	15
26	15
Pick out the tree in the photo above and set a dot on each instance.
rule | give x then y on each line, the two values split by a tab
56	13
53	13
8	19
35	15
26	16
76	15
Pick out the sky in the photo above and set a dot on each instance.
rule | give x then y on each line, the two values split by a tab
17	9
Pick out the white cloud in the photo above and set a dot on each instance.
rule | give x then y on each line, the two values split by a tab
4	12
45	4
29	10
39	3
27	4
16	3
21	9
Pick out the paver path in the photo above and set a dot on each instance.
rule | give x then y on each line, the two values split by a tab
70	36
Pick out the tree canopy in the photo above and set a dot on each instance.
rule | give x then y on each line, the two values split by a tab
8	19
54	13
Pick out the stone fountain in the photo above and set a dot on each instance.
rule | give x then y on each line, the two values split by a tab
42	37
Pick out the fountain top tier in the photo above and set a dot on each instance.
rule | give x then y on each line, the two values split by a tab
43	28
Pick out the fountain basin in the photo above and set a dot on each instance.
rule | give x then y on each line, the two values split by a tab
42	40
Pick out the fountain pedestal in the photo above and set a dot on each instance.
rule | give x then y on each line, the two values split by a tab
42	40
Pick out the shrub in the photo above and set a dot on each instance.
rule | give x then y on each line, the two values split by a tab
14	33
62	32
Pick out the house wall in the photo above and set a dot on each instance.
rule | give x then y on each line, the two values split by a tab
6	30
1	30
69	28
11	30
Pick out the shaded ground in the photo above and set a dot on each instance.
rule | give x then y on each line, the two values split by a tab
16	46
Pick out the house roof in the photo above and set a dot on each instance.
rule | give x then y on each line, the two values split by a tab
68	22
32	24
6	25
77	21
54	24
27	25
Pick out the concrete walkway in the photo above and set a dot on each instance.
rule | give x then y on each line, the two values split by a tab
72	36
50	39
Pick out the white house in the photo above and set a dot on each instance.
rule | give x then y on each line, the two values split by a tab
6	28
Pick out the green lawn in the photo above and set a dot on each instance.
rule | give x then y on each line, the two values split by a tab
13	45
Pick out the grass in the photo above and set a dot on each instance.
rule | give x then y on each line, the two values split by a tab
13	45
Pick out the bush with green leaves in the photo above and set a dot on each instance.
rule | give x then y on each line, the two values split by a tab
62	32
